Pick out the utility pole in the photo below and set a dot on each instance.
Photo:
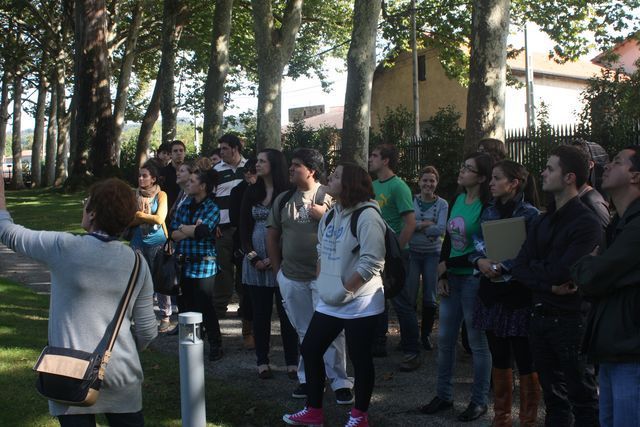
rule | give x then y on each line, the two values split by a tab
416	90
528	65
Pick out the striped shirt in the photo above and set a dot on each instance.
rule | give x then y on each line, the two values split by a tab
228	177
188	214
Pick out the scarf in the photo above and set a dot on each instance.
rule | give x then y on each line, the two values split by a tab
145	197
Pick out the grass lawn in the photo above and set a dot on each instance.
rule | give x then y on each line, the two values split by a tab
23	334
46	209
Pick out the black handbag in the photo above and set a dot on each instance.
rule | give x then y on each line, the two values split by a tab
74	377
167	270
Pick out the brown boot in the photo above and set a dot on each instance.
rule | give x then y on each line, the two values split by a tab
502	396
247	336
530	394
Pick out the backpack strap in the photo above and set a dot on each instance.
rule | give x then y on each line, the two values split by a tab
283	201
354	220
329	217
353	225
319	197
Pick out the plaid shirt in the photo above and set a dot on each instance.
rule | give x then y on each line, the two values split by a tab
188	214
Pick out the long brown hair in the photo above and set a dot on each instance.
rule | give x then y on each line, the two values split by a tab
356	185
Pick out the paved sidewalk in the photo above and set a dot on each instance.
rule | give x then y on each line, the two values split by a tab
396	397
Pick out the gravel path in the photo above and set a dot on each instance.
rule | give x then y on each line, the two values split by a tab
396	397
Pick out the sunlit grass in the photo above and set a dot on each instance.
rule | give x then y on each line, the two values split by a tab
46	209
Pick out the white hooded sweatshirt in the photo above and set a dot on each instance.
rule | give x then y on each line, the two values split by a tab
338	262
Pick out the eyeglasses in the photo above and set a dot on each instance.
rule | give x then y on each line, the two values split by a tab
467	168
84	202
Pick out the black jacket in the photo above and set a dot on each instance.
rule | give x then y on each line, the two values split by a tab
169	185
611	281
555	241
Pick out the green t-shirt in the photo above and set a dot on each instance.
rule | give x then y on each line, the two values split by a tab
463	224
395	199
299	232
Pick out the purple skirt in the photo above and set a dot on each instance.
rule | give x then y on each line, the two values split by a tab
501	320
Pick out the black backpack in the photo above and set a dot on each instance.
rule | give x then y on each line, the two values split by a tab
318	198
393	274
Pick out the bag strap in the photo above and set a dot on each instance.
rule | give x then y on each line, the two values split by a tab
283	201
354	220
319	197
124	303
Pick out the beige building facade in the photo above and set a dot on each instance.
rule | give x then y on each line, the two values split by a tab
559	86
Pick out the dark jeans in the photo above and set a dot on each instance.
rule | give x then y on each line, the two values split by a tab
131	419
359	334
262	301
567	380
197	295
505	349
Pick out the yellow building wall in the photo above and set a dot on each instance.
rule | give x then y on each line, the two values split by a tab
392	87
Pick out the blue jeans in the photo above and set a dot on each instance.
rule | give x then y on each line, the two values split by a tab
619	394
425	264
463	291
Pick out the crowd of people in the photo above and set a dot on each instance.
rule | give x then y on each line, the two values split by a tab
281	233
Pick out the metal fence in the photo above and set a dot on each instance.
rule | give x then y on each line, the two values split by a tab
531	149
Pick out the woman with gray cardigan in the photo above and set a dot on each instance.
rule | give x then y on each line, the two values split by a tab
89	275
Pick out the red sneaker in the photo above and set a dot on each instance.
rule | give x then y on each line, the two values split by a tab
357	419
312	417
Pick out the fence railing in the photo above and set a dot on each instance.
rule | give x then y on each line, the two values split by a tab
532	149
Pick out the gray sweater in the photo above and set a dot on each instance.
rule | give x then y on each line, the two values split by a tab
88	278
429	240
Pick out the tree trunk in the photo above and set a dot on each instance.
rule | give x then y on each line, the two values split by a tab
38	132
487	72
93	116
361	63
16	146
274	46
50	158
63	118
4	111
217	75
120	104
149	120
171	30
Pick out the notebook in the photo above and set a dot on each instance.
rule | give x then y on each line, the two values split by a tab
503	238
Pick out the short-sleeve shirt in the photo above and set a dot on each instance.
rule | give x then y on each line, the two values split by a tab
463	225
395	199
299	232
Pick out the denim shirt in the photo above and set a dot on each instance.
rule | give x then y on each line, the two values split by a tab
491	213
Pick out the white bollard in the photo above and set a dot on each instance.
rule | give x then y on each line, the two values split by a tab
192	403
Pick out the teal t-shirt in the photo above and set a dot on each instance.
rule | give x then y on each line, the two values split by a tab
395	199
463	224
